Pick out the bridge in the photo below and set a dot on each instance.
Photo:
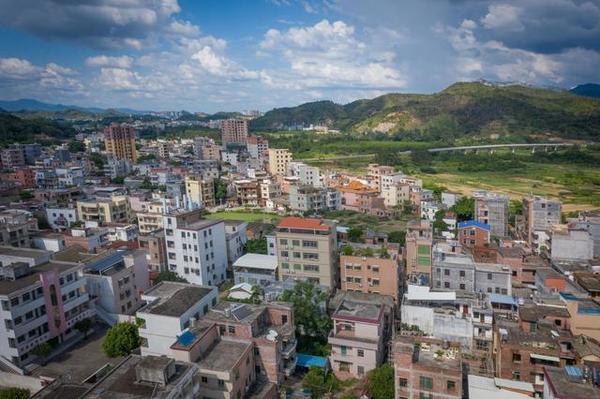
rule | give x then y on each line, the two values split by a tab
493	147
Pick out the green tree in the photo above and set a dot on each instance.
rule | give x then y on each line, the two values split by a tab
306	299
118	180
84	326
257	294
398	236
257	246
347	250
319	384
220	190
14	393
26	195
167	275
380	382
146	184
515	209
355	234
43	350
438	224
97	159
464	209
76	146
121	339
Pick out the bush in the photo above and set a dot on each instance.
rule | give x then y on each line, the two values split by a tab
14	393
380	382
121	339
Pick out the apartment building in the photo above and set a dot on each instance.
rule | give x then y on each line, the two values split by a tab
234	131
419	243
13	156
39	302
201	192
170	309
362	325
378	273
307	175
247	192
61	217
426	368
113	209
307	250
23	176
196	247
151	218
154	244
235	238
255	269
307	198
540	215
492	209
375	172
71	176
570	382
91	239
16	227
570	242
258	147
279	159
119	141
584	315
472	233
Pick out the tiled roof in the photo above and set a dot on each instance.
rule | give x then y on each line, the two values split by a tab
473	223
293	222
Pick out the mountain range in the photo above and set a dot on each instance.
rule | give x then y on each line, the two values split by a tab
28	104
469	108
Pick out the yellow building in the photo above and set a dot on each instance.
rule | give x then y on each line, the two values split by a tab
119	141
105	210
200	192
279	159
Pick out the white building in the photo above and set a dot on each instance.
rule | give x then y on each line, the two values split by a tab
196	247
171	308
236	237
61	217
72	176
255	269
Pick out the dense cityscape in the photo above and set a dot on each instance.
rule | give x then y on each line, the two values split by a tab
300	199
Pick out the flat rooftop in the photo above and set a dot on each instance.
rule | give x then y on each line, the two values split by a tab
174	299
359	311
224	355
257	261
22	252
7	287
293	222
201	224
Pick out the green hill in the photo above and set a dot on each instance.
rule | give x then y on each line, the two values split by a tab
14	129
463	109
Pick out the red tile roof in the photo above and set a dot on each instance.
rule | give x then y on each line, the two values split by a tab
292	222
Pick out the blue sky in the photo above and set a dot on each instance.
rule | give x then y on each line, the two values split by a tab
258	54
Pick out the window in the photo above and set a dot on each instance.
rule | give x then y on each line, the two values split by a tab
344	350
285	265
375	282
462	287
285	254
296	243
516	375
446	272
450	386
446	284
426	383
297	255
402	382
310	255
360	370
516	358
462	273
231	329
310	244
360	353
283	241
284	319
204	379
489	275
311	268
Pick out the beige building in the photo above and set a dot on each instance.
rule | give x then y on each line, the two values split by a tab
201	192
152	218
279	159
307	250
119	141
156	251
419	252
234	131
115	209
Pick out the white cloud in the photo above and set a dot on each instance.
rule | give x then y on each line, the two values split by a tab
124	62
503	16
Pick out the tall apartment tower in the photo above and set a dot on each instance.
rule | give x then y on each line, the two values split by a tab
234	131
492	209
119	141
419	243
540	215
279	160
196	247
307	251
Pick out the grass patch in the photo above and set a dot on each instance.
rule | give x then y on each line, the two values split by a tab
245	216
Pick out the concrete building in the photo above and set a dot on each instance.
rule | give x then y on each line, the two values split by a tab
307	175
473	234
151	218
419	243
571	243
201	192
375	172
362	326
119	141
570	382
258	147
154	243
61	217
584	316
234	131
498	388
196	247
90	238
308	198
540	215
279	159
170	309
492	209
13	156
307	250
236	238
377	274
39	302
255	269
425	368
590	221
53	242
115	209
247	192
16	227
114	168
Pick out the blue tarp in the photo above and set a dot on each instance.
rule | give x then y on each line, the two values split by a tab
503	299
187	338
307	361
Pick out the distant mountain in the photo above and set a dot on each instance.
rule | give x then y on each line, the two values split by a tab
27	104
14	129
463	109
588	90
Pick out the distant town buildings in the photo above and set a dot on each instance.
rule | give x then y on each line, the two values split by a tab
234	131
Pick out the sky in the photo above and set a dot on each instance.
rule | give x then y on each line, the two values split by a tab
226	55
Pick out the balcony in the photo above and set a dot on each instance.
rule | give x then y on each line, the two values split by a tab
289	349
290	367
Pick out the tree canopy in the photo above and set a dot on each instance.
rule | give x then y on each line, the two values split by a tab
168	275
121	339
464	209
380	382
306	299
14	393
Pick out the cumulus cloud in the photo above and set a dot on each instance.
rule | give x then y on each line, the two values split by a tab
503	16
124	62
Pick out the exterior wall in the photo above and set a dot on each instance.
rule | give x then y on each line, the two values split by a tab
574	245
155	247
492	209
540	215
201	192
454	276
489	281
471	237
419	253
375	275
61	218
120	142
279	160
293	263
254	276
234	131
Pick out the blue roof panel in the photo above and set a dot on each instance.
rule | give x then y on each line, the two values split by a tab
474	223
187	338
